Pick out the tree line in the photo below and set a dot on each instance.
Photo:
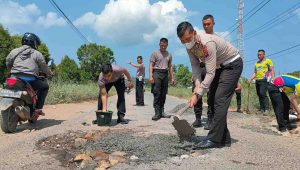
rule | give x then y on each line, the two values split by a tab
91	58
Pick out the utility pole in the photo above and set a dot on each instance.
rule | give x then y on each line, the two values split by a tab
240	32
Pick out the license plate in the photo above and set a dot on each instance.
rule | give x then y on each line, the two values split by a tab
10	93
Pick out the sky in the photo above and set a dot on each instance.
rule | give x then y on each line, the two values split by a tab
133	27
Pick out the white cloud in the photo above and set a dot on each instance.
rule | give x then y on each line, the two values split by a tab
12	13
51	19
135	21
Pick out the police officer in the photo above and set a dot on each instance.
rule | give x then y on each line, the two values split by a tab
160	66
139	82
223	69
112	75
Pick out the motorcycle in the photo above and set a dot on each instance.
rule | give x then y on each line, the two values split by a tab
17	103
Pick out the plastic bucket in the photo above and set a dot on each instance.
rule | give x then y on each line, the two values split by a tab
103	118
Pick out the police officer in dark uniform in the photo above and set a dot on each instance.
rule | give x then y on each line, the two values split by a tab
160	66
199	105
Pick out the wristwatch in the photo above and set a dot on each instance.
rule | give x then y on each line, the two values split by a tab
198	95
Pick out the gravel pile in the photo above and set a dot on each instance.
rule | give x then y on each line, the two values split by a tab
156	147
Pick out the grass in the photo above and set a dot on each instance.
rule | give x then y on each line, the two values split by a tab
67	92
64	92
186	93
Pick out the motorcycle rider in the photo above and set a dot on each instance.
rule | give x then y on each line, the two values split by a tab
27	62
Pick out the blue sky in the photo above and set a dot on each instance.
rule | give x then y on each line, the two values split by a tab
134	27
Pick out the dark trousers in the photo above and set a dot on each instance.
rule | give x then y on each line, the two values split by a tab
160	88
199	105
238	99
222	87
139	92
42	87
120	88
261	90
281	105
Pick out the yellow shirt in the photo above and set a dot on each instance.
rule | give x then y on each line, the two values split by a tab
262	69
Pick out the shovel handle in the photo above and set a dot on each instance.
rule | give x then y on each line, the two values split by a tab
181	111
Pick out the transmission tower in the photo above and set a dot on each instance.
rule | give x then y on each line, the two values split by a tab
240	34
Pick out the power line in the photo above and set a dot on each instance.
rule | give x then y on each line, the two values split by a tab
234	25
75	29
246	19
276	18
269	27
285	16
278	52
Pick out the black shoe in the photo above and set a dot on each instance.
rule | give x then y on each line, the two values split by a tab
282	129
157	114
208	123
206	144
207	126
197	123
122	120
156	117
291	126
226	143
163	114
239	111
141	104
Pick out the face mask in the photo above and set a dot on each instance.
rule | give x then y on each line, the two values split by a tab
190	45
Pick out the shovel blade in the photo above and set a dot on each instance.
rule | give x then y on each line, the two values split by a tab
183	128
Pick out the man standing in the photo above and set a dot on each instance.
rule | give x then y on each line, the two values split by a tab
113	76
208	24
160	66
198	108
223	69
263	74
139	83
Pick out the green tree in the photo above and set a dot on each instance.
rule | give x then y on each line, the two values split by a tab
45	51
5	48
91	58
16	39
183	75
295	73
68	70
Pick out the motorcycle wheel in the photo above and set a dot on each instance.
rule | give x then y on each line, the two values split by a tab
9	120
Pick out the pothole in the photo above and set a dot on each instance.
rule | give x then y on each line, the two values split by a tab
110	147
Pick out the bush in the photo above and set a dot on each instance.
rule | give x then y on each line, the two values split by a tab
66	92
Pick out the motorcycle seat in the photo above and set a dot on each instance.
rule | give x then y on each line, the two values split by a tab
27	79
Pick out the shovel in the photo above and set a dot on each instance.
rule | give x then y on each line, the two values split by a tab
248	98
184	130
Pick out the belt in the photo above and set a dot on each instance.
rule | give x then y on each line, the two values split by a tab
160	70
231	60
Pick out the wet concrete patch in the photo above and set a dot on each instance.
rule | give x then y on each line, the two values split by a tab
153	148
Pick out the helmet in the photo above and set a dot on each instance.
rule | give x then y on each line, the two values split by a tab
278	82
31	39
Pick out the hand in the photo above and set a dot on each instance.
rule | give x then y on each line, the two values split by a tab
151	80
173	81
130	85
193	100
129	62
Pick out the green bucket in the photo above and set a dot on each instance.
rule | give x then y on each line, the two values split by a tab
103	118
